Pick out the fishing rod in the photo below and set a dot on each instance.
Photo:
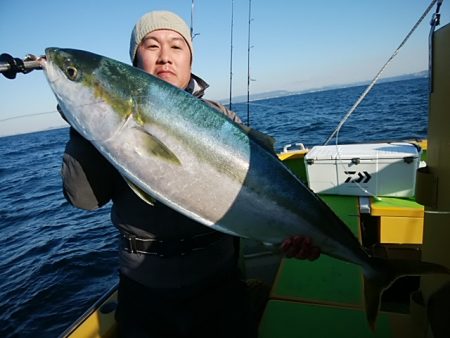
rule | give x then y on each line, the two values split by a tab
231	56
248	61
10	66
193	35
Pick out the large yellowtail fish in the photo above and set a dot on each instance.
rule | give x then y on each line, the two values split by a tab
179	150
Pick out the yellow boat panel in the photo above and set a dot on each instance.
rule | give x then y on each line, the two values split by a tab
98	324
397	207
291	155
401	230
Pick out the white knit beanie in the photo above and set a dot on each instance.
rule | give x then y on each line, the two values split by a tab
156	20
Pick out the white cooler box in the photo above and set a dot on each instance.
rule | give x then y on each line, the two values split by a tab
381	169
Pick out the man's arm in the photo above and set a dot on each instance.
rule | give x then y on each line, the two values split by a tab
87	176
220	107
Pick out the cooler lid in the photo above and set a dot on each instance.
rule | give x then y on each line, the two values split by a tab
363	151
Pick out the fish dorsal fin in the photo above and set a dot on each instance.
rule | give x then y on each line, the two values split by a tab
149	145
266	141
141	193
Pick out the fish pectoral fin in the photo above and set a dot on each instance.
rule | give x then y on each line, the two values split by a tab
148	144
141	193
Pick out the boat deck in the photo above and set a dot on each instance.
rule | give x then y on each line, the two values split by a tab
321	298
324	298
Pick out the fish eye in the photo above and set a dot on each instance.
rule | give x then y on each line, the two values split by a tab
71	72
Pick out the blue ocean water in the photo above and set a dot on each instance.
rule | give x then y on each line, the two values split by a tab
56	261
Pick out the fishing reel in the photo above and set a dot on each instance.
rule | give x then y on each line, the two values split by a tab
10	66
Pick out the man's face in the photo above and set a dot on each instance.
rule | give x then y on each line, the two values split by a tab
165	54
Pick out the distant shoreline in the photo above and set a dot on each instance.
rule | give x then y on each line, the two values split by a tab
281	93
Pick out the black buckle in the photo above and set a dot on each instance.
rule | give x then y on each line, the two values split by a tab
131	239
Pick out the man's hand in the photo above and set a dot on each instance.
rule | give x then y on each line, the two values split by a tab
300	247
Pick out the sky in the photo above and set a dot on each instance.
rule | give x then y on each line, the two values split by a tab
295	44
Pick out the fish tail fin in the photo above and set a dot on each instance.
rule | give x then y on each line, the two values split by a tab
387	271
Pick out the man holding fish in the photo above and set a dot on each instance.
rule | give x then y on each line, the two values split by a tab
178	278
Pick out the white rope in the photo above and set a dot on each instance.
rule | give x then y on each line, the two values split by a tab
437	212
27	115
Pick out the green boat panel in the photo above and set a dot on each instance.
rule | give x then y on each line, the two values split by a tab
326	280
297	166
292	319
